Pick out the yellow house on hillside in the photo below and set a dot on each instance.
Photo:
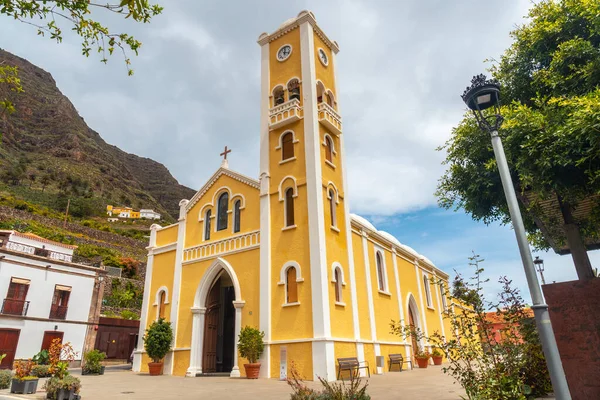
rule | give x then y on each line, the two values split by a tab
282	252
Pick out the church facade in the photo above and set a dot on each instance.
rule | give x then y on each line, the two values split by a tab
283	253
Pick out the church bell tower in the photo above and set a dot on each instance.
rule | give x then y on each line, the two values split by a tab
305	226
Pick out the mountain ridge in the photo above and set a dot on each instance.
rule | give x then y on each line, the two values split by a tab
47	142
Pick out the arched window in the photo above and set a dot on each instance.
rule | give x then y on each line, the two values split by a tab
294	89
287	146
161	304
337	276
427	291
291	286
278	96
328	149
320	92
207	217
236	216
289	207
332	207
380	273
329	99
222	208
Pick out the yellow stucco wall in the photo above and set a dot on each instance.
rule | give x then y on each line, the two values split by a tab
361	287
298	354
181	362
369	350
324	73
282	71
162	275
167	235
249	215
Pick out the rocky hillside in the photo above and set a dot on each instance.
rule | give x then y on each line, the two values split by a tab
48	149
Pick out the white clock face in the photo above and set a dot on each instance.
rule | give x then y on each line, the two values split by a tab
323	57
284	52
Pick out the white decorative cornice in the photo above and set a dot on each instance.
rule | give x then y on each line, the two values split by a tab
221	171
290	25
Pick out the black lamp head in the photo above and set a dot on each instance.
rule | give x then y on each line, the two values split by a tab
483	93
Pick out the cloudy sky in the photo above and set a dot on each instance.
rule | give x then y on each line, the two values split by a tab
402	66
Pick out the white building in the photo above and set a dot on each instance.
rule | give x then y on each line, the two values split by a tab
44	296
149	214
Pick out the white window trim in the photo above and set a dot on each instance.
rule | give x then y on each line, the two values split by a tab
324	143
157	300
288	56
282	190
340	303
444	300
333	267
427	287
333	217
332	165
287	160
283	280
233	213
386	288
280	140
287	228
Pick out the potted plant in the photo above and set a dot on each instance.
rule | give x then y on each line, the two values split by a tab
23	382
61	386
92	361
437	356
157	343
251	346
422	358
65	388
42	358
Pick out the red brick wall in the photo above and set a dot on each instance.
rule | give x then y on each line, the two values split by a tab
575	313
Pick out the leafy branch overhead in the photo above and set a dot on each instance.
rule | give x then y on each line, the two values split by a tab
76	13
551	106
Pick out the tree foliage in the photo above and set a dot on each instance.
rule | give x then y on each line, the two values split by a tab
491	358
158	339
549	79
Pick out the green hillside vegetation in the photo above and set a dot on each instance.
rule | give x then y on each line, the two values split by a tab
48	154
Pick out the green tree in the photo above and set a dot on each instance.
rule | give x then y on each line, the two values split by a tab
75	15
549	78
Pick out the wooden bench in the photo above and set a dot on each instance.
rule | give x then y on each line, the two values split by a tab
353	365
398	359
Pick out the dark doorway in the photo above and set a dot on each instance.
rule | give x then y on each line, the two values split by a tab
49	336
411	323
9	338
219	327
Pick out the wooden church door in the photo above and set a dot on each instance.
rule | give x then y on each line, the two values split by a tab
211	326
411	322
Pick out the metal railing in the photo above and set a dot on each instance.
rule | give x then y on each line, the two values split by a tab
15	307
58	312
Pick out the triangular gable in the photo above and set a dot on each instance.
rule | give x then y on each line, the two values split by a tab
221	171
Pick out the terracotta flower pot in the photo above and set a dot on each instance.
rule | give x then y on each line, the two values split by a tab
155	368
422	362
437	360
252	370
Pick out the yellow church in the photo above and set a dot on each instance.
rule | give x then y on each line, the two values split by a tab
283	253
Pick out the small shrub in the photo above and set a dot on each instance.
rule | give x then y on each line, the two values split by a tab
42	358
41	371
251	343
158	339
23	370
68	382
354	390
126	314
92	361
5	378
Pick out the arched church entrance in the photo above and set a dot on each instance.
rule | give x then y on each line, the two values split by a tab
219	327
216	323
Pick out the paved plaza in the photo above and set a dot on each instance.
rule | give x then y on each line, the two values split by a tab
421	384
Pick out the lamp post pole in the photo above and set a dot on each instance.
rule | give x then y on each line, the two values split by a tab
539	263
485	94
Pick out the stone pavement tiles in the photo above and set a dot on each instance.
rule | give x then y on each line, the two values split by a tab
421	384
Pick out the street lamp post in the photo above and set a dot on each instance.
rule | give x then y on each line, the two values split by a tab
539	263
481	95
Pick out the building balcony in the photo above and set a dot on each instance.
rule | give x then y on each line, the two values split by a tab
58	312
15	307
285	113
36	251
330	118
